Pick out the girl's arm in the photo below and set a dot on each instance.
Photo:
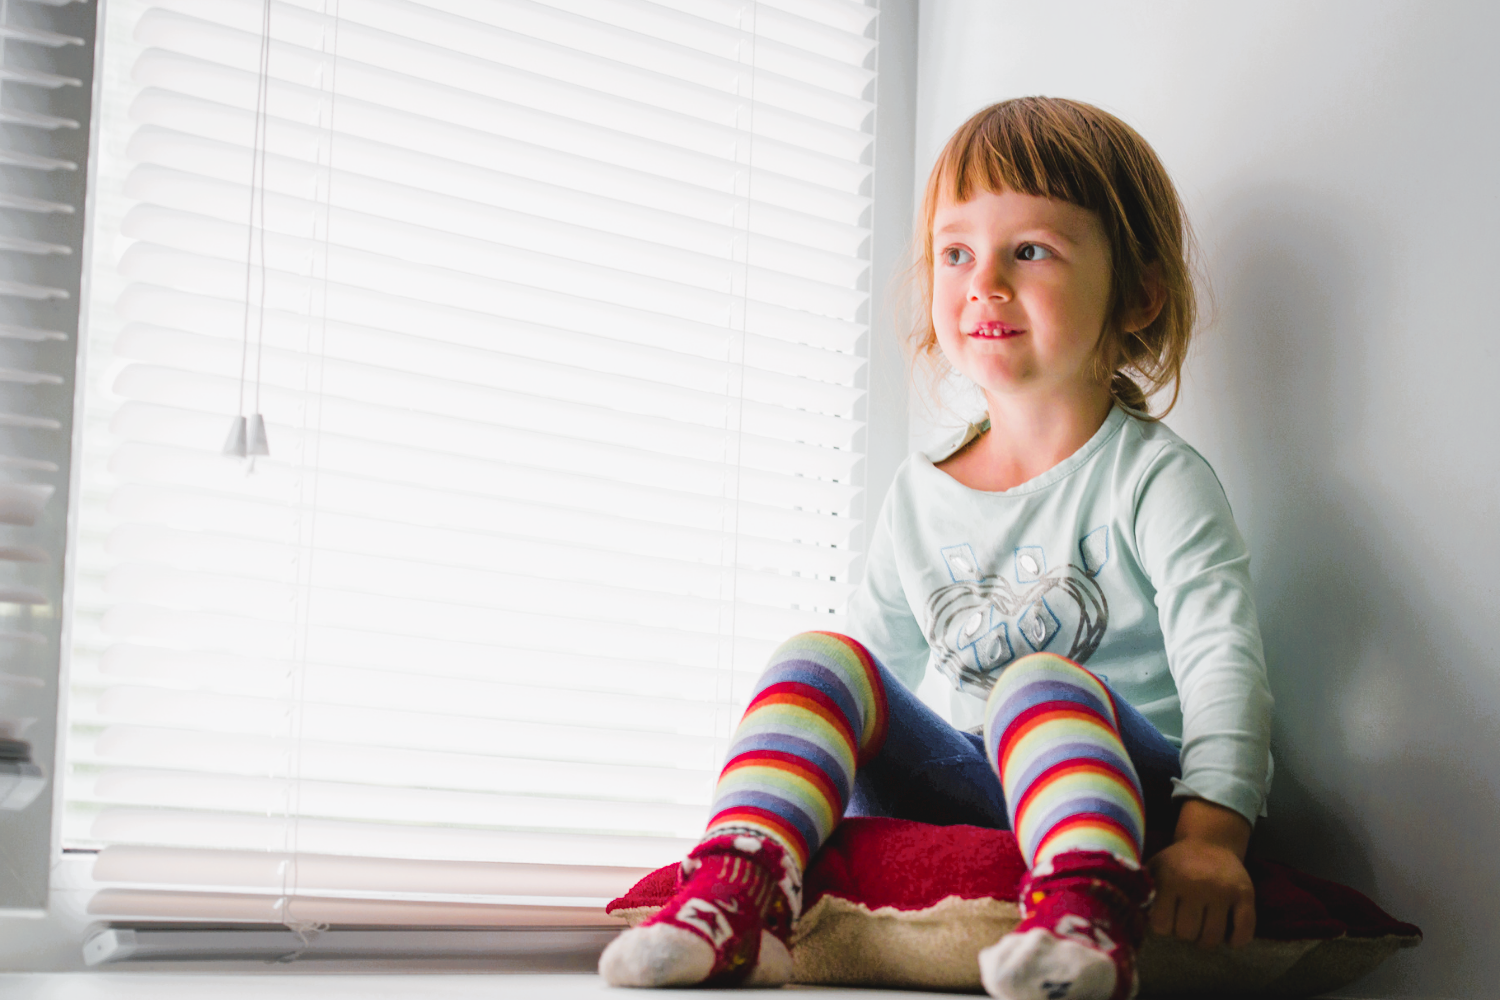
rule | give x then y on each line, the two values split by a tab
1200	568
879	615
1203	892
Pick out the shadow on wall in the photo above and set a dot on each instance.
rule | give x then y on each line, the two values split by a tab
1380	751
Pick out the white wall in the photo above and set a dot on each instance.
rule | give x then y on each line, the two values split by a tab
1341	162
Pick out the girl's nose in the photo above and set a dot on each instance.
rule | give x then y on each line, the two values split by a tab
989	283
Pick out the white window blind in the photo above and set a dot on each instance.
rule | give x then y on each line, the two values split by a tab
557	315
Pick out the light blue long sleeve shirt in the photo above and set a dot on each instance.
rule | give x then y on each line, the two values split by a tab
1124	557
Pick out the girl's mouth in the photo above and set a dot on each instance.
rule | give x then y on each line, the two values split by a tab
995	331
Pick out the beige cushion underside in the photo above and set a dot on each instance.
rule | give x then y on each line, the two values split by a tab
842	943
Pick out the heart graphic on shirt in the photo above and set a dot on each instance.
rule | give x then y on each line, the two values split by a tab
978	624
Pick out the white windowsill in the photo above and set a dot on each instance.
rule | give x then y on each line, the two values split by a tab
300	985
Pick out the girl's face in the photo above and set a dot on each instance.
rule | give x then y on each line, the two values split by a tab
1020	292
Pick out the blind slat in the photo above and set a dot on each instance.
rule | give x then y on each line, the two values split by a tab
164	468
181	127
561	563
489	59
675	395
205	176
372	639
634	135
189	411
670	482
260	521
315	836
196	874
439	553
555	699
721	25
643	37
452	602
248	755
369	727
516	666
147	904
271	870
360	296
370	246
699	253
387	804
675	353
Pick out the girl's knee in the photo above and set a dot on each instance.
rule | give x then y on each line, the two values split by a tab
1041	667
1035	667
1047	679
830	662
830	650
840	669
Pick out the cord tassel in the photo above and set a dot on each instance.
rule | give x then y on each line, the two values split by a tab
235	446
255	442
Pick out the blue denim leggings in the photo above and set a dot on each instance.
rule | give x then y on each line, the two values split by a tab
929	771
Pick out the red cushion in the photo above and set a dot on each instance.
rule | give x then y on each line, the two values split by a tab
913	866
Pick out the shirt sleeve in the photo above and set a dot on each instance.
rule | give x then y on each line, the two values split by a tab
880	616
1200	568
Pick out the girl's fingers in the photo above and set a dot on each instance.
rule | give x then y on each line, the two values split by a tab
1244	921
1215	923
1164	912
1189	919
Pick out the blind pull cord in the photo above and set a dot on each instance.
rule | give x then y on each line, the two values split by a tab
247	434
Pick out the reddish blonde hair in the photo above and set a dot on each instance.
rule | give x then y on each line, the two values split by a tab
1075	152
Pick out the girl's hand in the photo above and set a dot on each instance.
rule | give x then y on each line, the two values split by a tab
1202	888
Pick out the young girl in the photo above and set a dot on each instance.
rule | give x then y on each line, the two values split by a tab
1069	564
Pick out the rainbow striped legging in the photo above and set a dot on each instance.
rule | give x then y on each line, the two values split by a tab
829	732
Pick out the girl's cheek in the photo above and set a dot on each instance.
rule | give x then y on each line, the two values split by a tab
946	292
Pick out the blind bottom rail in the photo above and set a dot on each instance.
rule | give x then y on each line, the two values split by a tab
532	947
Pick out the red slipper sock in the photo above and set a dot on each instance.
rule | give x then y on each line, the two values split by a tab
726	925
1083	918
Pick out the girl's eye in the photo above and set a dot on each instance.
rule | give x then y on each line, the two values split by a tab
1031	251
953	256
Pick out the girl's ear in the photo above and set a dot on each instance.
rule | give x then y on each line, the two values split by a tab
1149	301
